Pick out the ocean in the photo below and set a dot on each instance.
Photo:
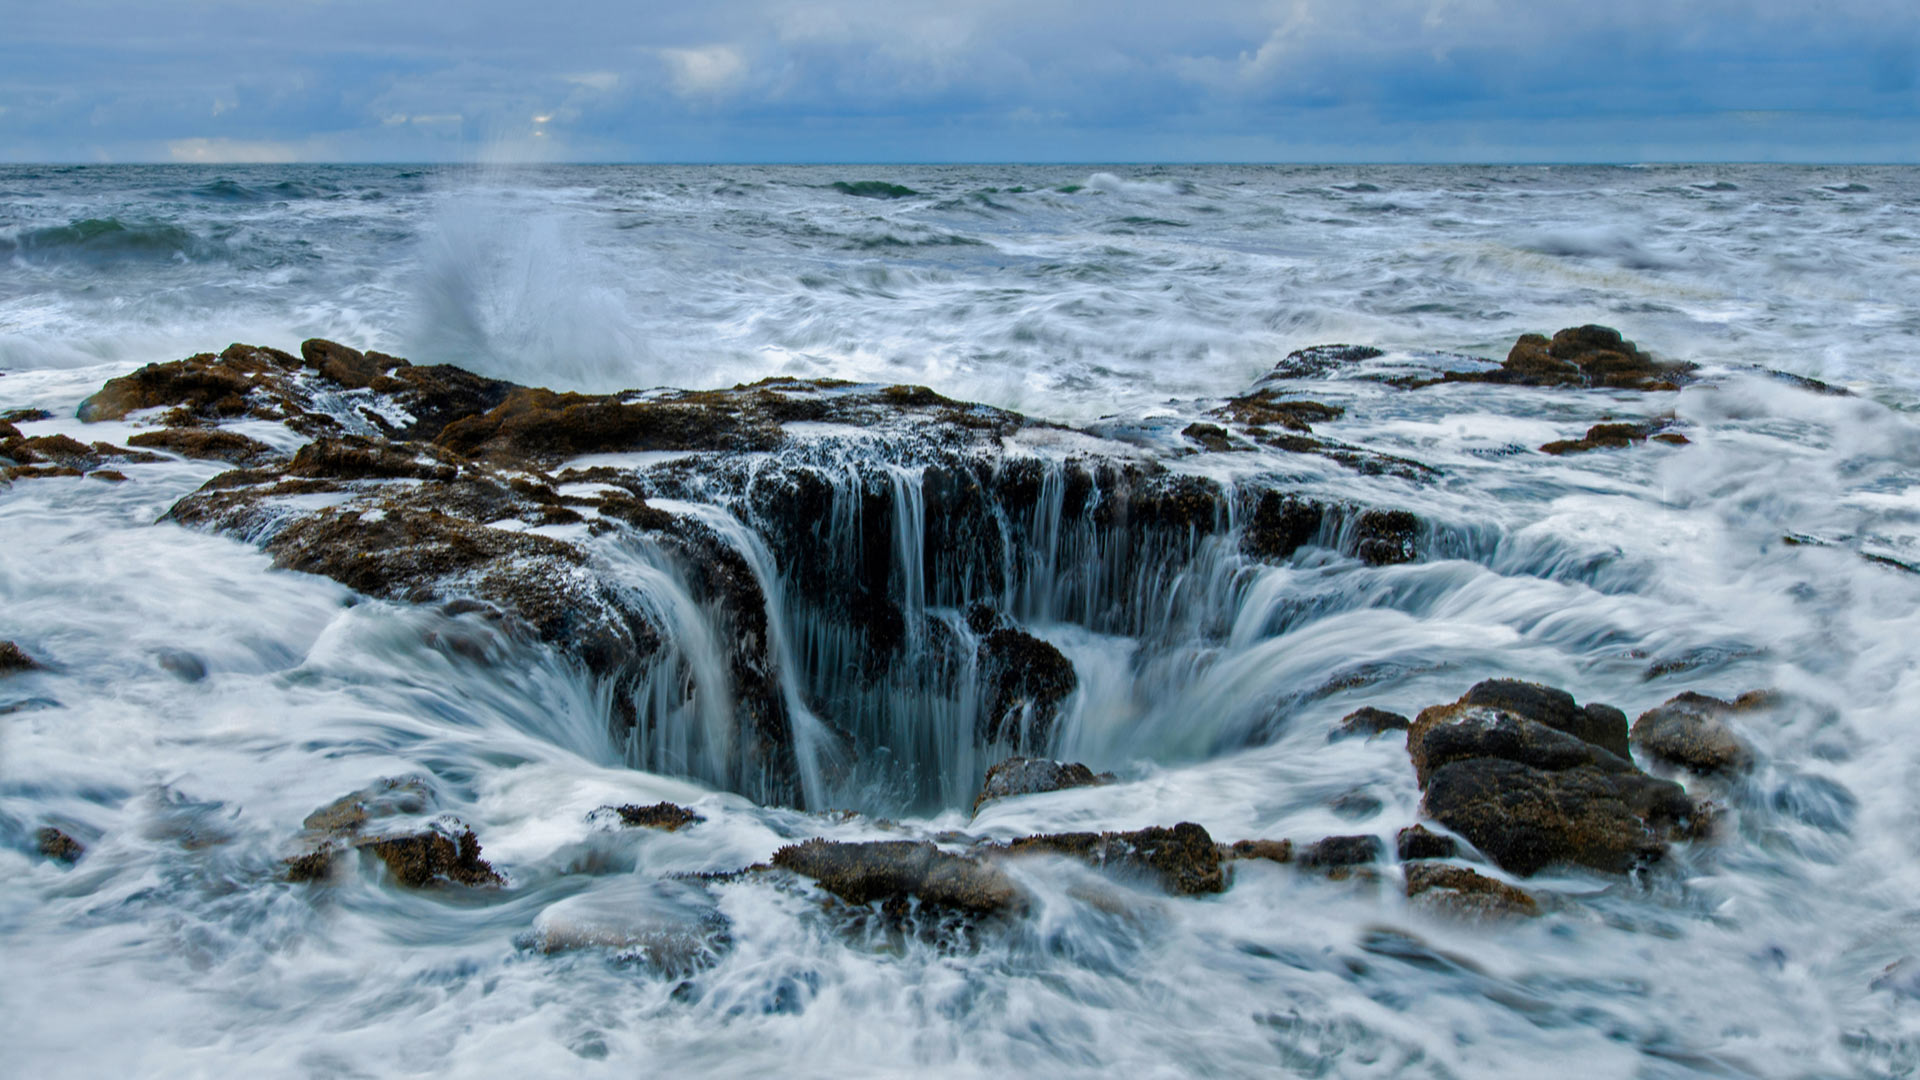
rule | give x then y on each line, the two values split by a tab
198	702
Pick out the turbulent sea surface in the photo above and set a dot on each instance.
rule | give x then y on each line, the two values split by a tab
197	703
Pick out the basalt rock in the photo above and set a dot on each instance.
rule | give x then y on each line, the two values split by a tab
1032	776
1461	893
1528	777
1527	819
854	515
13	658
1602	725
1691	731
892	870
1577	357
1026	679
1183	859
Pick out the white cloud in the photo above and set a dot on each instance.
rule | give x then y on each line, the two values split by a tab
706	71
602	81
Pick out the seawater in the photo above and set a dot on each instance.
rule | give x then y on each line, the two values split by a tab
1118	298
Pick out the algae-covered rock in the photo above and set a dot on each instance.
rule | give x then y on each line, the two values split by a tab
211	443
1280	851
423	858
1339	852
1024	681
1595	357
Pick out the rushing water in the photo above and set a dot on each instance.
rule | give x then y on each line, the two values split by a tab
201	704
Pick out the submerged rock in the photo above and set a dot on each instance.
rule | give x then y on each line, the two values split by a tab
1182	859
672	927
1462	893
1691	731
1032	776
58	846
892	870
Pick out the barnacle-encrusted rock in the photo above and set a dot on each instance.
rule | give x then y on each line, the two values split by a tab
1339	852
1418	842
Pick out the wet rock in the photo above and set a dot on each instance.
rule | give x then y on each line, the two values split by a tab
1355	805
1367	722
1459	892
1691	731
22	416
1602	725
1280	851
311	866
1526	819
1386	537
1577	357
1032	776
1024	680
1183	859
1341	852
209	443
182	664
1212	437
1449	733
426	857
58	846
1318	361
665	816
1270	408
14	659
1417	842
891	870
545	427
348	367
1522	772
1281	525
1616	436
112	476
203	386
389	797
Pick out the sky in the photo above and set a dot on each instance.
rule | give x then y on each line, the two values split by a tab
960	80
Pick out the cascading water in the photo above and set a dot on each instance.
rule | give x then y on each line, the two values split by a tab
865	620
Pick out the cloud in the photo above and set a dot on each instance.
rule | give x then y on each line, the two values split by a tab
705	71
204	151
937	79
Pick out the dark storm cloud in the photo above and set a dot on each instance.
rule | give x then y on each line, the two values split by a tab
1033	80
